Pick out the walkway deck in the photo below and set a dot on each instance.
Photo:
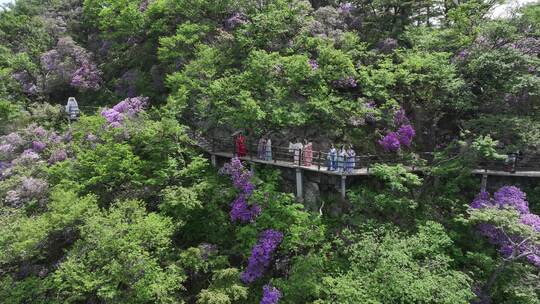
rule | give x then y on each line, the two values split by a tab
284	159
286	164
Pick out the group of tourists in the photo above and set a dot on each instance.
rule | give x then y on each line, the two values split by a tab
340	160
302	152
264	148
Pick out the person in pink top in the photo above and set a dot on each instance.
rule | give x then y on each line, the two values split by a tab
308	153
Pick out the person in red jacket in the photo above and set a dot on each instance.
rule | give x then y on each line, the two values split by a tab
241	149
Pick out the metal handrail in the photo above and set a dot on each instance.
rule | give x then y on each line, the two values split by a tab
322	161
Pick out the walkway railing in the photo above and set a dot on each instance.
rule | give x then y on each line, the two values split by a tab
359	164
321	161
296	157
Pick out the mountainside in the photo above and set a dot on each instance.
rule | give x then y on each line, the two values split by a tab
119	204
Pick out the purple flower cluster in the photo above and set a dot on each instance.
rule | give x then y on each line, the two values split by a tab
400	117
55	138
390	142
512	196
271	295
129	107
241	178
6	151
38	131
346	7
57	156
3	168
38	146
27	82
14	140
387	45
29	189
144	5
242	211
509	197
313	64
33	187
393	141
405	135
234	20
528	45
27	157
68	62
346	83
86	77
261	254
13	198
462	55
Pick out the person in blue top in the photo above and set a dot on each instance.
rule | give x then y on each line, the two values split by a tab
332	156
341	158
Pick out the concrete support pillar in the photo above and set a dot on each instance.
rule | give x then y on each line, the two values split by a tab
343	186
483	185
213	160
299	184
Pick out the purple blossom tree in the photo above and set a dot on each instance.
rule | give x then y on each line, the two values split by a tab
38	131
6	151
128	107
33	187
346	83
393	141
57	156
241	178
387	45
26	158
505	220
27	82
14	140
271	295
346	7
13	198
237	18
400	117
4	166
527	45
261	255
86	77
38	146
68	63
313	64
144	5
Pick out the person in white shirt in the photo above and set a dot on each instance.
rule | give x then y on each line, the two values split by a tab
268	148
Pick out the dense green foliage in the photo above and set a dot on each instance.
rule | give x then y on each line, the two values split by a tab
123	207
